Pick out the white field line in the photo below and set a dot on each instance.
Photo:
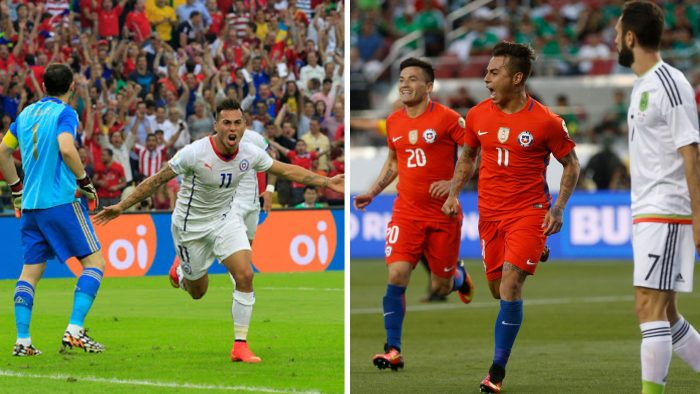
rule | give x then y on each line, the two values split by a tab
494	304
302	288
149	383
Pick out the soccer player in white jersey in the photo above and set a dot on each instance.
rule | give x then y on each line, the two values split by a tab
204	227
665	170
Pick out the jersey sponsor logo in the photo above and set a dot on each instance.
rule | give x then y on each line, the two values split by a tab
429	136
503	133
563	126
482	132
396	138
679	278
462	123
207	165
309	245
644	101
388	250
525	138
529	262
413	136
129	245
244	165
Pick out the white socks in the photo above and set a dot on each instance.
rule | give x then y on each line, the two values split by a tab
656	351
686	343
242	310
74	330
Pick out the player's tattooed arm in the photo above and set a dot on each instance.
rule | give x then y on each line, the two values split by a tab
554	219
148	187
569	178
464	170
387	175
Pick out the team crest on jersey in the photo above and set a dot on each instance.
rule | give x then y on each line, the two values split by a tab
187	268
644	101
244	165
413	136
503	133
387	251
429	136
462	123
525	138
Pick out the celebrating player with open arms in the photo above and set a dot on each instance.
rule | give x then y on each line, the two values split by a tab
516	135
203	224
423	138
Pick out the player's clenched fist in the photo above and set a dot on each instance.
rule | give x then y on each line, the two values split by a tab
362	200
451	206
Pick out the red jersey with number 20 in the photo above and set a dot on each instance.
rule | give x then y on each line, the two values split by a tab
515	152
426	151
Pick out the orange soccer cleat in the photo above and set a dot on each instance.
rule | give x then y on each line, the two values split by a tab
466	292
391	359
241	352
172	274
489	386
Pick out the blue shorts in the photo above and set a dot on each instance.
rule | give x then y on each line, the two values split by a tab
62	231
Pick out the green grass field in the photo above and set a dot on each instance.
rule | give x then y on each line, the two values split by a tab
160	340
579	334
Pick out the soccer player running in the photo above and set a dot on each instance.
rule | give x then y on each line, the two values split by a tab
203	224
516	136
665	173
53	221
423	138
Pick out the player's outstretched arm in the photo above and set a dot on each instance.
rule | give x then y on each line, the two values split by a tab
463	173
143	190
554	219
691	162
389	172
302	175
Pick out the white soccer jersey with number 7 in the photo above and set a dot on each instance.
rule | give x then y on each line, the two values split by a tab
210	181
662	118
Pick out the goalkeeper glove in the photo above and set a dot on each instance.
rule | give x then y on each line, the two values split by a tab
87	189
17	190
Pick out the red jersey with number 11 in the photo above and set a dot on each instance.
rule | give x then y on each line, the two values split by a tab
426	151
515	152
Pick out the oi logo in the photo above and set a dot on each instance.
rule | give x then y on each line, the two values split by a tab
307	245
128	246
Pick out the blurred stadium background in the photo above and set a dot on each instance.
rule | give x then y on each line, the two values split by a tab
577	75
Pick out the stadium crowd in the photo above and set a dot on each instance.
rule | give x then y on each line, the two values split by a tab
149	74
570	38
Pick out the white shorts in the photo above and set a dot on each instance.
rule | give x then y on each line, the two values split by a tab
249	214
664	256
197	249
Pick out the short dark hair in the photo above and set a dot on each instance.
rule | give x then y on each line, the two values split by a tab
646	20
423	65
57	79
227	105
520	57
149	135
108	151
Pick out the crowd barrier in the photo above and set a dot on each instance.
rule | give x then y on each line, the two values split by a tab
596	226
141	244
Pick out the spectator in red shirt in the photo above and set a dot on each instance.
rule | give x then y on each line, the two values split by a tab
108	18
110	181
299	156
137	23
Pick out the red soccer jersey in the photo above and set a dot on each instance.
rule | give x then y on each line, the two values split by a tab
515	152
426	151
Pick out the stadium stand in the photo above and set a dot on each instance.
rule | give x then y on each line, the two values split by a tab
148	65
576	59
